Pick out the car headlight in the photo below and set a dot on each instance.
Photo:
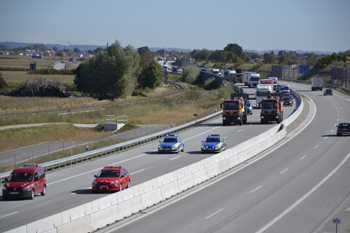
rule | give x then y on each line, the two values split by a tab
115	182
94	182
216	147
4	188
28	187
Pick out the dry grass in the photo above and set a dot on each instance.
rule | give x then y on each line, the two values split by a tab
24	62
23	76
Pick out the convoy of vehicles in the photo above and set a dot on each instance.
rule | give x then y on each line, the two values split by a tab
272	108
262	91
171	143
287	100
343	128
235	109
238	78
274	79
316	84
111	178
253	80
231	77
213	143
25	182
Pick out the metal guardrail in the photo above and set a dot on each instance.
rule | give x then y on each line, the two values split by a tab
124	145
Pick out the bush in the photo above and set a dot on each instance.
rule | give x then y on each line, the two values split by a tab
51	71
190	74
2	82
13	69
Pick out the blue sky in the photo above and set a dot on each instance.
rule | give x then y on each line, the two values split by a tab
311	25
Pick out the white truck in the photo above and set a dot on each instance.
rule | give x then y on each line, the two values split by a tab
262	91
216	71
253	80
316	84
246	77
274	79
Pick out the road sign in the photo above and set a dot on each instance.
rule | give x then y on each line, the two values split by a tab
336	220
304	69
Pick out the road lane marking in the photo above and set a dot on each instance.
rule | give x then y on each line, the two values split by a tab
325	138
175	157
214	213
202	133
239	130
273	221
284	171
303	157
8	214
137	171
316	146
331	130
348	209
225	137
255	189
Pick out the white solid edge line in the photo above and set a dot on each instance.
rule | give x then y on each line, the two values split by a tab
214	213
255	189
223	177
304	197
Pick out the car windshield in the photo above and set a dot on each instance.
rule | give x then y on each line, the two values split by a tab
286	98
170	140
254	79
343	125
21	177
231	105
284	88
109	173
269	104
213	140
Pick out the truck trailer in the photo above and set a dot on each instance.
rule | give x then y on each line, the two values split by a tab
316	84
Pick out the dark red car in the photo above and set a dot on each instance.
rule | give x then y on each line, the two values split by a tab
111	178
25	182
287	100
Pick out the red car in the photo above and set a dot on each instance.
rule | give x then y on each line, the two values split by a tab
25	182
287	101
111	178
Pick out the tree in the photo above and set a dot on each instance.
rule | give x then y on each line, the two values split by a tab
98	50
201	55
280	53
76	50
3	47
143	50
40	47
111	73
55	48
235	48
190	74
269	58
59	53
151	75
146	57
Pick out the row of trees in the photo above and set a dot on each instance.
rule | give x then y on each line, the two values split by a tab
117	71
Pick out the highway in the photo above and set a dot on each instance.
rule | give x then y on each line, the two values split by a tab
71	187
294	187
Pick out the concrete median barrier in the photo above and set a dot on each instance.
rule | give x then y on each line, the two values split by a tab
164	179
151	198
193	167
76	212
206	162
200	176
213	170
80	225
170	189
127	194
104	217
103	202
129	207
224	165
186	182
180	173
45	223
21	229
148	185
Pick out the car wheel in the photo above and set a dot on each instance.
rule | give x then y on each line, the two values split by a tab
183	149
94	191
129	184
32	195
43	193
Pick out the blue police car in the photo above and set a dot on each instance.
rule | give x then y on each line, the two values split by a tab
171	143
213	143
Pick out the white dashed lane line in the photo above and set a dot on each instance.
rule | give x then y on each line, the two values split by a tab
255	189
284	171
316	146
175	157
8	214
325	138
239	130
132	173
303	157
214	213
331	130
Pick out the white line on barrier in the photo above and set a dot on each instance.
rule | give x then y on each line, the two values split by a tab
239	130
303	157
284	171
316	146
325	138
273	221
214	213
255	189
8	214
175	157
137	171
84	173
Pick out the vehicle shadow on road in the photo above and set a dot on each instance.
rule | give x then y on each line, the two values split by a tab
330	135
195	152
151	152
211	124
83	191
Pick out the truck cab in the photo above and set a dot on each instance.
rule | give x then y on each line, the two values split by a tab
235	109
272	108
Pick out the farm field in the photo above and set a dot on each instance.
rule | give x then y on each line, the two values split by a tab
24	62
23	76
